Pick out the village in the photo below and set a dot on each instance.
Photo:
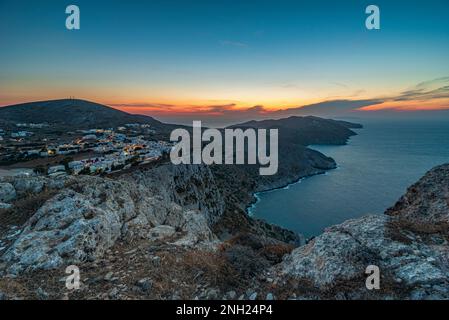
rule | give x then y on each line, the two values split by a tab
92	151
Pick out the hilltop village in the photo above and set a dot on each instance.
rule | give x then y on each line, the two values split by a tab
33	147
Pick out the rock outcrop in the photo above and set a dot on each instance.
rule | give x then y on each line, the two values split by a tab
167	232
7	192
193	187
87	215
409	245
425	206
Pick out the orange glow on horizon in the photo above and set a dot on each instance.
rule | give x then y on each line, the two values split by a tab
217	108
413	105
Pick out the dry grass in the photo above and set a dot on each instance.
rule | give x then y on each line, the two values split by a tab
180	272
272	252
398	228
24	208
276	252
8	285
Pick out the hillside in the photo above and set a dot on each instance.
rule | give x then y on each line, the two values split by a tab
296	161
307	130
71	113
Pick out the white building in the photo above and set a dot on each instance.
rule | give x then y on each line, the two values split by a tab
56	170
68	149
76	166
33	152
90	137
21	134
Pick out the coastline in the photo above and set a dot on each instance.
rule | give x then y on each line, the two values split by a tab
256	197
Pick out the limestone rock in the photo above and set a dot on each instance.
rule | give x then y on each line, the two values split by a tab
161	232
408	245
89	214
7	192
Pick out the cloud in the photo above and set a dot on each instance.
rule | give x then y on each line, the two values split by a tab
232	111
143	105
428	83
221	108
329	108
428	90
419	97
176	108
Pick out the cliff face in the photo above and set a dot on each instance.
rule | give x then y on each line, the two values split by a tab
85	216
295	162
192	187
409	244
424	209
148	225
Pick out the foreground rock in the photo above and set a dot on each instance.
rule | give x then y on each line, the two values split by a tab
168	233
7	192
89	214
409	245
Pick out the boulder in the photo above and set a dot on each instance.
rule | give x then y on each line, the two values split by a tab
161	232
197	230
7	192
29	184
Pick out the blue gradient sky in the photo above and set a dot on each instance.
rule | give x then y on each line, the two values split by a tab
188	55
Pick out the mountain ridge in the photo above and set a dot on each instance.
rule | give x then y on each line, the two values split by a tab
71	112
306	130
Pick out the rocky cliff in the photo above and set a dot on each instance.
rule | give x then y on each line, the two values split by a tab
409	244
170	232
164	212
85	216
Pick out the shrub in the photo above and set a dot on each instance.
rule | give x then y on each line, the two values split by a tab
24	208
245	261
274	253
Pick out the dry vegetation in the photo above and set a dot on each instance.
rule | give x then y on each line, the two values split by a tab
404	230
174	272
24	208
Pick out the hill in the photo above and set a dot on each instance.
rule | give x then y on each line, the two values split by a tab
306	130
72	114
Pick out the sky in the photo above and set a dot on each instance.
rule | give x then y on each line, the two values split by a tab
228	59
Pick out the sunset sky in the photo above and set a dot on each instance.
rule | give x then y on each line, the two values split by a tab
175	59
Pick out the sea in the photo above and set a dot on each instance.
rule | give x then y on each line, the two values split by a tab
374	169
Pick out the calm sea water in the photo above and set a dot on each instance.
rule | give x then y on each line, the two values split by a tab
374	170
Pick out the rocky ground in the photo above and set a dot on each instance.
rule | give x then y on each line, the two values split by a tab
409	244
180	233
